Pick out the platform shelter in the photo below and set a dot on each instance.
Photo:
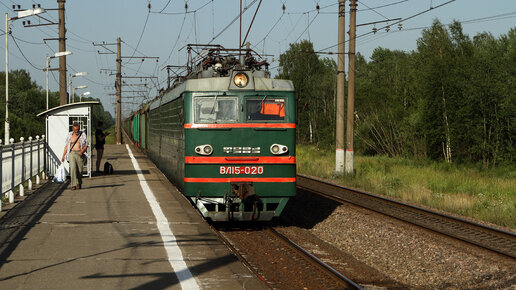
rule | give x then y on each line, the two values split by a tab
59	121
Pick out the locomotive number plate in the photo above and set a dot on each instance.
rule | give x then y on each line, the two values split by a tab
253	170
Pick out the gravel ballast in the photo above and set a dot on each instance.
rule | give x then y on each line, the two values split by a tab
405	253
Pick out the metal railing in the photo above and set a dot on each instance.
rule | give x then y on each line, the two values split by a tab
20	163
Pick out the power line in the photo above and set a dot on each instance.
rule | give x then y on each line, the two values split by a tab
400	21
6	5
233	21
177	39
263	39
143	31
134	48
165	6
181	13
308	26
374	10
14	39
314	10
382	6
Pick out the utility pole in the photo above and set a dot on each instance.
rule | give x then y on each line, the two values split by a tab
351	87
341	79
118	92
62	47
118	82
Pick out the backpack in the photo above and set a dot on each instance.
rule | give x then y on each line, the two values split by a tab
108	168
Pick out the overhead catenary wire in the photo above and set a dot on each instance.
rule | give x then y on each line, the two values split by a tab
177	39
143	31
307	27
399	21
181	13
374	10
233	21
323	51
270	30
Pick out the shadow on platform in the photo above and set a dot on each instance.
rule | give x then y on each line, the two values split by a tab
18	221
122	172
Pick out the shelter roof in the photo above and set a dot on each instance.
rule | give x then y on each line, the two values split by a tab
66	107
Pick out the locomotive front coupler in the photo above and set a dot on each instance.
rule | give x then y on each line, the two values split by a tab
242	189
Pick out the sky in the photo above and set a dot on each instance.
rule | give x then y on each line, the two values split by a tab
164	29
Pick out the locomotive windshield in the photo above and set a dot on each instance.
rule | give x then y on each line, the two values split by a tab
266	108
215	109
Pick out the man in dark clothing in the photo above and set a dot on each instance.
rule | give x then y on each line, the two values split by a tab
100	138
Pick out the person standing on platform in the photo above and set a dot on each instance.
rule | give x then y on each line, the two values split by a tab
74	151
100	138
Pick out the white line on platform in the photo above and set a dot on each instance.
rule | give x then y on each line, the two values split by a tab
175	257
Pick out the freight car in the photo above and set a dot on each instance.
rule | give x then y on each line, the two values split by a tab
225	136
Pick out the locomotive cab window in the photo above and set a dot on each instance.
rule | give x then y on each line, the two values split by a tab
266	108
215	109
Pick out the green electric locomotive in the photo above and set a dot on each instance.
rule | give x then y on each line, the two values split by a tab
225	136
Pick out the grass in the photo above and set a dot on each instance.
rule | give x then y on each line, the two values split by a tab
111	138
488	195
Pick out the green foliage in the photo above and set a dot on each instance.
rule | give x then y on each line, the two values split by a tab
26	100
315	83
485	194
98	114
453	99
111	138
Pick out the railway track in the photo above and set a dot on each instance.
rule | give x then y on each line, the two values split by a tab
281	263
491	238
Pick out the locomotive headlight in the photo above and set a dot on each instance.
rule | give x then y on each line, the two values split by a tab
207	149
204	149
278	149
240	80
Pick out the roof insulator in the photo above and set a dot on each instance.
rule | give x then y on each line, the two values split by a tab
400	26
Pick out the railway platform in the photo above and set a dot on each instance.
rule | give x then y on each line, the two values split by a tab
128	230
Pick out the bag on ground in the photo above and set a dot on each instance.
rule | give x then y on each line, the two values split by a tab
108	168
60	175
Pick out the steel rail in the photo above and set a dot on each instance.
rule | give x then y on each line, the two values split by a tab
315	260
491	238
240	257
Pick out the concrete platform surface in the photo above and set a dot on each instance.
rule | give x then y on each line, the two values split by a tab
106	236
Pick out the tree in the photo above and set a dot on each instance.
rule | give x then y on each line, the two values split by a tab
386	103
437	88
314	81
26	100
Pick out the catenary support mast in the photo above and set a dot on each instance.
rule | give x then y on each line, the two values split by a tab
351	87
341	78
62	59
